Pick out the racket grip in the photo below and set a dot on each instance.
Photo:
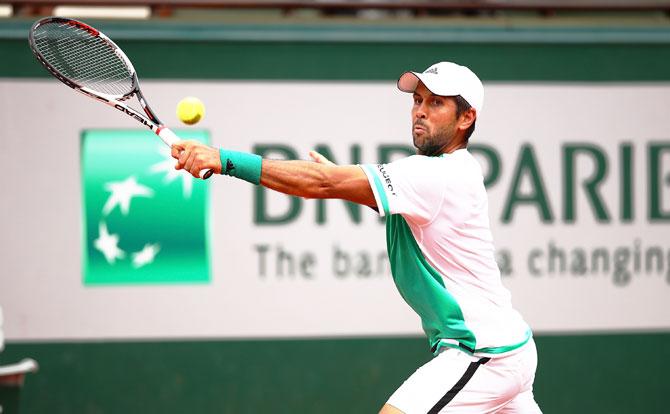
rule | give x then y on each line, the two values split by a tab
170	138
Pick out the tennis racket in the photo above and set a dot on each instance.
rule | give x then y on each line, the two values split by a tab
89	62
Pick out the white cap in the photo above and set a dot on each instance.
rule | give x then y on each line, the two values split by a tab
447	79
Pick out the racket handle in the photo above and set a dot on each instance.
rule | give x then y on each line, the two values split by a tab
170	138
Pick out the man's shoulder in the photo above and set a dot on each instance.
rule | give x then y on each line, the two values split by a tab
461	159
419	166
421	160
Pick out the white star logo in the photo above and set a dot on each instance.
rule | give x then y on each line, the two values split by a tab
167	166
146	255
122	193
107	244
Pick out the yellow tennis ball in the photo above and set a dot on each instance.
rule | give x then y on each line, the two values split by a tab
190	110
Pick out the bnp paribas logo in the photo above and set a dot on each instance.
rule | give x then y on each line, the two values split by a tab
144	222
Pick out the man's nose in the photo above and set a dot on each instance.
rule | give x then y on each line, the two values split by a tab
420	112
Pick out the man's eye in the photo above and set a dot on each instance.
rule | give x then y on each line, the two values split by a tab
437	102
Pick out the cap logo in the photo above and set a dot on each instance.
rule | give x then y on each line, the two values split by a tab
432	70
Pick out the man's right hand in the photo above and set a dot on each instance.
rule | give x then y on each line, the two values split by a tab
194	156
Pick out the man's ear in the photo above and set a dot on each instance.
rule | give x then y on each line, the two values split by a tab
467	119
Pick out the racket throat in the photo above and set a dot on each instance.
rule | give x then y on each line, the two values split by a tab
145	106
138	117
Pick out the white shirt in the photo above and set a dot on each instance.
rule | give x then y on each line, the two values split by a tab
441	252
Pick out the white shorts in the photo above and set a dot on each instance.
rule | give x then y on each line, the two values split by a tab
455	382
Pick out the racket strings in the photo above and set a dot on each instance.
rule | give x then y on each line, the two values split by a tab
90	68
85	59
106	74
76	56
77	66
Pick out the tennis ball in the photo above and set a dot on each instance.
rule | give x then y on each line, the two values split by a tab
190	110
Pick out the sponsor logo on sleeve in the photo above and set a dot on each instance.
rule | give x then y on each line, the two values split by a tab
387	178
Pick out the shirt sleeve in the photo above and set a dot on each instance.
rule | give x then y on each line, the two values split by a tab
413	187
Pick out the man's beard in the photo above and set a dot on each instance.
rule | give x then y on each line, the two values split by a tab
433	144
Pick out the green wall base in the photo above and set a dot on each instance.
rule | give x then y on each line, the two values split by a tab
577	374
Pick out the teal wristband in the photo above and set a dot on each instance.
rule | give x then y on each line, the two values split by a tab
242	165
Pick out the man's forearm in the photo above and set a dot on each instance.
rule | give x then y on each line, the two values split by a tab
315	180
299	178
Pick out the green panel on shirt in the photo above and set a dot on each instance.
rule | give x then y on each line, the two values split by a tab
422	287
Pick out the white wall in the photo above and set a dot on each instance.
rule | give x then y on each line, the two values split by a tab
41	287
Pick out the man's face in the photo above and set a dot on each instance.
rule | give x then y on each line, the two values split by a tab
434	121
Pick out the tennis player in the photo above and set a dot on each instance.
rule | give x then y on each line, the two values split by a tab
439	245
